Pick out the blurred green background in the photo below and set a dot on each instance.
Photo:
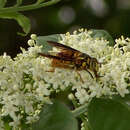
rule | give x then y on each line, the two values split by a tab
68	15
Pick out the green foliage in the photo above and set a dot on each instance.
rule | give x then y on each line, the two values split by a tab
40	1
108	114
56	116
6	120
13	12
42	40
23	21
7	127
2	3
102	34
125	100
18	2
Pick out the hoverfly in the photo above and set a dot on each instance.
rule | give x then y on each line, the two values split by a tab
71	58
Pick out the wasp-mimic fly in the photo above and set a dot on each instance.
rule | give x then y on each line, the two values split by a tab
71	58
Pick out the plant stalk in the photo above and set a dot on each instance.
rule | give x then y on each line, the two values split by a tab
79	111
28	7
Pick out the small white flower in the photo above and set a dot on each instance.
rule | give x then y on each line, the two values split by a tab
33	36
26	83
31	42
16	122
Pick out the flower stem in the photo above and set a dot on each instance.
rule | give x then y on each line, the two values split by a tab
79	111
28	7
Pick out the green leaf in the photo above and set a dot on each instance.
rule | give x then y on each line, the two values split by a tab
56	117
107	114
18	3
6	126
22	20
40	1
104	34
2	3
42	40
125	100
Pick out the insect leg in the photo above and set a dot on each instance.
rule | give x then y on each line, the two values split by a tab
80	76
90	74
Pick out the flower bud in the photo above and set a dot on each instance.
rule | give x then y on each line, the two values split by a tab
71	96
31	42
33	36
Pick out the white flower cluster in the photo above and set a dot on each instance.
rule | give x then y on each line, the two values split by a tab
26	83
22	93
115	68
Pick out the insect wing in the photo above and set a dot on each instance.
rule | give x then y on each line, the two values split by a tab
54	57
66	51
59	62
61	46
